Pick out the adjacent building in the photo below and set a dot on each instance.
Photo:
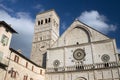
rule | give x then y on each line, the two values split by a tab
13	65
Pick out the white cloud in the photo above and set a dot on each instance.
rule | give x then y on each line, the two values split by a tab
24	25
6	8
63	26
97	21
40	7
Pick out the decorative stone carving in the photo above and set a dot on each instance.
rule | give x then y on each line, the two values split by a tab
81	78
79	54
105	58
56	63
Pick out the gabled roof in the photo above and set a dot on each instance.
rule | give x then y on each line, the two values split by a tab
73	25
7	26
85	25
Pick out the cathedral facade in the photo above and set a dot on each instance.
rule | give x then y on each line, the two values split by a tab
80	53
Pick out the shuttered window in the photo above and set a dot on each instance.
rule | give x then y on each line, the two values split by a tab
4	40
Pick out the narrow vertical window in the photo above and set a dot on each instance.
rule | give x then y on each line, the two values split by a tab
26	64
49	20
16	58
32	68
13	74
40	71
38	22
41	21
45	20
25	77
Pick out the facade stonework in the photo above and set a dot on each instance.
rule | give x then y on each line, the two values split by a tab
80	53
46	32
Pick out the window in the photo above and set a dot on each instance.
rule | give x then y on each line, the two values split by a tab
16	59
38	22
32	68
13	74
1	55
26	64
49	20
41	21
45	20
25	77
4	40
106	65
77	43
40	71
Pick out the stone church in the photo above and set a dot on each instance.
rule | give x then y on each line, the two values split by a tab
80	53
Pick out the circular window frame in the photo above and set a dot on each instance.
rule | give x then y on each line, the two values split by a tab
104	56
79	56
56	61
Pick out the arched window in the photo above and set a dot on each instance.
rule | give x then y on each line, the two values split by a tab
38	22
106	65
45	20
41	21
49	20
77	43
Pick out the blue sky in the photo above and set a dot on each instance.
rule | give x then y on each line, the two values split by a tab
102	15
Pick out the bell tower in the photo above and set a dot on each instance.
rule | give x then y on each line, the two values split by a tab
46	32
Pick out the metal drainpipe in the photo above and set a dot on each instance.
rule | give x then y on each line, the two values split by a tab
8	65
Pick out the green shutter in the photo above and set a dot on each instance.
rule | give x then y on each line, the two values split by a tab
4	40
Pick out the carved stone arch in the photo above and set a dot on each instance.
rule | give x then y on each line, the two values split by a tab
86	30
78	35
80	78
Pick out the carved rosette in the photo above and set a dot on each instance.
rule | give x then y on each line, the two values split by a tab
105	58
56	63
79	54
